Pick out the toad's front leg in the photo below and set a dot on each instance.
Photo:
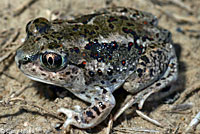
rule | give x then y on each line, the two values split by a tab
102	102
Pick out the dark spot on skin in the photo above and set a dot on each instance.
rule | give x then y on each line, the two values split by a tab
143	64
82	65
96	110
96	99
111	19
109	71
60	78
139	52
159	52
76	49
139	71
158	84
125	30
42	48
74	70
101	105
92	32
96	28
76	118
113	81
102	82
41	69
88	46
124	45
163	78
67	73
91	73
86	83
43	74
111	26
96	40
130	24
123	17
145	59
75	28
88	96
38	38
157	35
45	37
130	44
110	57
134	34
57	21
59	38
151	72
124	10
132	68
144	38
152	46
83	35
82	92
71	34
100	72
71	77
90	114
104	91
71	50
33	70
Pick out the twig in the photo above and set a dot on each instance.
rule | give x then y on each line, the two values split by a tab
148	118
194	88
110	125
181	5
178	18
177	128
182	107
193	124
31	103
24	6
13	38
19	92
129	130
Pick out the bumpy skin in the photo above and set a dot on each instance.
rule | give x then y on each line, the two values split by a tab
95	54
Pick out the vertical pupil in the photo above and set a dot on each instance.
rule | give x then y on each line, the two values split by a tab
50	61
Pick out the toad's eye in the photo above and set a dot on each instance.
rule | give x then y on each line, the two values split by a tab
52	61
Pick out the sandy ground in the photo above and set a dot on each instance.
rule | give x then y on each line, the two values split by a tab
30	107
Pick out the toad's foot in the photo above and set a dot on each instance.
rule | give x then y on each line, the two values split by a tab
91	116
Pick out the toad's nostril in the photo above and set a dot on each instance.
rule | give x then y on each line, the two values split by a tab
25	60
20	58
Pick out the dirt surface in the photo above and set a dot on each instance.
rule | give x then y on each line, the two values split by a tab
30	107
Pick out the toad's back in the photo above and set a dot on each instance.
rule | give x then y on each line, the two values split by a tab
108	44
101	49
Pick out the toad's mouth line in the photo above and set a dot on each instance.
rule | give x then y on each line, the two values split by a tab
40	80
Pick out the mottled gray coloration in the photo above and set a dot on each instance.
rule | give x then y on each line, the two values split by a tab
95	54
